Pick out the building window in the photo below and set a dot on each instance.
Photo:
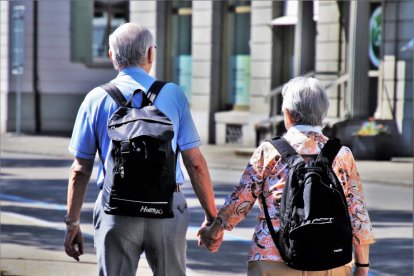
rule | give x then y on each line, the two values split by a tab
238	53
181	45
107	16
91	24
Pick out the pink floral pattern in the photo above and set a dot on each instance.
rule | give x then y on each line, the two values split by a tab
267	172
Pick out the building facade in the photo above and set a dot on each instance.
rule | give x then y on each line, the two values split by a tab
230	57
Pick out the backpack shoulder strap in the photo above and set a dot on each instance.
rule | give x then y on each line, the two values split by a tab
283	147
329	151
153	92
273	233
115	94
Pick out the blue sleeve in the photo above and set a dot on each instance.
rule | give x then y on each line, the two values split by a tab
187	137
83	141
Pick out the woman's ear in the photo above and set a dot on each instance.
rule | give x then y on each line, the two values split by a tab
288	119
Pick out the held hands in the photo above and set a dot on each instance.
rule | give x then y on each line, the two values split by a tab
211	235
74	242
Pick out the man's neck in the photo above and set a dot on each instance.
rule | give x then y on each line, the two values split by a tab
147	69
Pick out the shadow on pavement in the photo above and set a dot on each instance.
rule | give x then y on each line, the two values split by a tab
43	199
40	237
47	214
34	163
53	191
394	216
392	256
231	258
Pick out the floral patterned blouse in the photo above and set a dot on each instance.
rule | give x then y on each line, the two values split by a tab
267	172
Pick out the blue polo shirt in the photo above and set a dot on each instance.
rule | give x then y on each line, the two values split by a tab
90	127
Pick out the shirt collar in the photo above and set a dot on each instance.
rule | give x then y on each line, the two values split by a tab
306	128
135	75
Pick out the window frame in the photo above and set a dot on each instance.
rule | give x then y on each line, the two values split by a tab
82	14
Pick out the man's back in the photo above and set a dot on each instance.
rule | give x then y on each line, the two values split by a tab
98	106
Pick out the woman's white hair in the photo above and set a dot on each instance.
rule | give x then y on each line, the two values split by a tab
306	100
129	45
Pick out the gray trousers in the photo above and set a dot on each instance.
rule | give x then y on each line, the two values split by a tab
120	240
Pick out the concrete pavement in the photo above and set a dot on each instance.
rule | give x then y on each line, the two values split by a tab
226	164
399	171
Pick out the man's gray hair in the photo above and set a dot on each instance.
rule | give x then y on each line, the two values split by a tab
129	44
306	100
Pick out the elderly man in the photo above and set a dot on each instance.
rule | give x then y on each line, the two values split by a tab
305	105
120	240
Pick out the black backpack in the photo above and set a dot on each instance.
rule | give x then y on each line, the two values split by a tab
140	173
315	229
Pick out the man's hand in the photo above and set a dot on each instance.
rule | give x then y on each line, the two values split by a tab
211	236
74	242
80	174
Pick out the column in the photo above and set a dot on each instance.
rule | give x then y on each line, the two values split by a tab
202	43
358	63
304	39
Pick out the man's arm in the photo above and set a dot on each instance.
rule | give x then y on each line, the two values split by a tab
80	174
200	179
361	252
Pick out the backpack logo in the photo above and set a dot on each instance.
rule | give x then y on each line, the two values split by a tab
140	172
154	211
315	230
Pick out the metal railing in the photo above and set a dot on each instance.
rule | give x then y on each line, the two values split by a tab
274	97
271	126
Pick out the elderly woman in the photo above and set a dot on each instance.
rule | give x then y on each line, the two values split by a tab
305	105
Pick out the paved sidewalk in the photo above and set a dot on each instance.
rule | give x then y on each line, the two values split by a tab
231	158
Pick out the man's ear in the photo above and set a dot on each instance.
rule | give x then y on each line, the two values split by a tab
110	54
151	55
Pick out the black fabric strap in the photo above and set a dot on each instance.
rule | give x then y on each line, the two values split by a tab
361	265
129	103
100	156
269	222
153	92
115	94
177	151
329	151
120	100
283	147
